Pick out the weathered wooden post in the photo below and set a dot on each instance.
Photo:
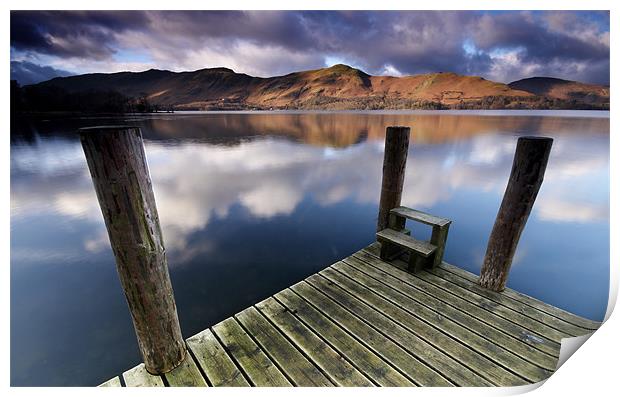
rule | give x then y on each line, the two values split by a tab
394	162
118	167
528	170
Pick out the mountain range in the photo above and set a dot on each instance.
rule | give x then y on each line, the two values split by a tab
334	88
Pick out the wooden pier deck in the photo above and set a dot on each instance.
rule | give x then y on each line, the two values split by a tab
366	322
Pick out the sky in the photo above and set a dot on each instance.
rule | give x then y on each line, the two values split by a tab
501	46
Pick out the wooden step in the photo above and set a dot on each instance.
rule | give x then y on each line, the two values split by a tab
421	247
420	216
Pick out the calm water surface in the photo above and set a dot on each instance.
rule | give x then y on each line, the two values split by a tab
251	203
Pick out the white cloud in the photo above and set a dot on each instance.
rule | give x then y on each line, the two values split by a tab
390	70
558	209
268	200
177	53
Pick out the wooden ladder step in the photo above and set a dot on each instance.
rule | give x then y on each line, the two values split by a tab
421	247
420	216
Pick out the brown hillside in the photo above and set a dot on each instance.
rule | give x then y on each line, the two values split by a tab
336	87
564	89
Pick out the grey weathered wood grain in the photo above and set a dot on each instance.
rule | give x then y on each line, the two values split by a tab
454	359
364	359
255	364
298	368
487	353
364	321
533	326
138	376
564	327
421	247
483	311
114	382
522	302
392	352
214	361
334	365
186	374
117	164
526	177
420	216
525	302
410	298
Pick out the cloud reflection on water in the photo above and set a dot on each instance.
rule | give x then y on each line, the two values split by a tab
270	176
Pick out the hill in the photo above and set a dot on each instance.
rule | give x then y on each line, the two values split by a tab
564	89
333	88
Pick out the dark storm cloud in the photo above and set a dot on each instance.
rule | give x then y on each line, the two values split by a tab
539	37
29	73
71	33
271	27
411	42
498	45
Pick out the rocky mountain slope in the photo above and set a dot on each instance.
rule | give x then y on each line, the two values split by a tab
336	87
564	89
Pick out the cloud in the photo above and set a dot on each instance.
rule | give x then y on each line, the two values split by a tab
253	59
29	73
89	34
562	44
557	209
503	46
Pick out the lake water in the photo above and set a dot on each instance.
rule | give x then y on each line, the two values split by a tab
252	202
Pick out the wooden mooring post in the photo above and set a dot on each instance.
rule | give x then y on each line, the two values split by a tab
526	177
394	162
118	167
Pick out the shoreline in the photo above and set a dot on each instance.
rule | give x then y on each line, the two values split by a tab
457	112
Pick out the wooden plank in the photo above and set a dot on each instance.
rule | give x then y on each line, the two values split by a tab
518	296
421	247
410	298
186	374
214	361
392	352
138	376
553	322
543	344
420	216
298	368
251	359
333	364
465	346
533	326
364	359
114	382
364	322
586	324
454	359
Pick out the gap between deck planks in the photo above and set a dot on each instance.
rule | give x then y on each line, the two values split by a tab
366	322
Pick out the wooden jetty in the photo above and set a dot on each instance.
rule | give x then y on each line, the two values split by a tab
391	314
367	322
